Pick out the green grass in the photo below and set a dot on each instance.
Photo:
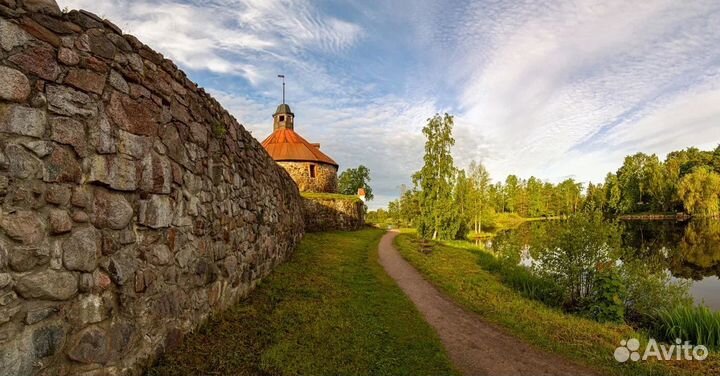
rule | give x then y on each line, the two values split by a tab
330	310
504	221
329	196
699	325
459	272
522	280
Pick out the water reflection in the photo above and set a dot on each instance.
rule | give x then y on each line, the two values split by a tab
688	251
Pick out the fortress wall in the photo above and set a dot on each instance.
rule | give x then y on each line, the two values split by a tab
333	214
132	205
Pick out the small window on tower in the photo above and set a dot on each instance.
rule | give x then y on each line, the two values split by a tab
312	171
282	117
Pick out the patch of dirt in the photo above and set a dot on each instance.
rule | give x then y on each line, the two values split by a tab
475	347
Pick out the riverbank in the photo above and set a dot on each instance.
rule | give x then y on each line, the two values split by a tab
475	346
456	271
505	221
509	221
329	310
655	217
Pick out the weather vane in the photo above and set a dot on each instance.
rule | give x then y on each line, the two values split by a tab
283	79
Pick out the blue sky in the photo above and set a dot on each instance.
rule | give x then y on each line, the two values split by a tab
553	89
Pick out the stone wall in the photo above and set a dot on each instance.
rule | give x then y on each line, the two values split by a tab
333	214
325	179
132	205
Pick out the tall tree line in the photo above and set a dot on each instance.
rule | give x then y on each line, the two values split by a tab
474	201
686	181
447	202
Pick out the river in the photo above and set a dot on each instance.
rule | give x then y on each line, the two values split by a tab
689	251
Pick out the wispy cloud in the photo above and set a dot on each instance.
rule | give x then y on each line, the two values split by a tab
229	36
553	77
384	134
552	89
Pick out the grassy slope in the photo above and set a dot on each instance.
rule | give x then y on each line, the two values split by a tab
330	310
455	270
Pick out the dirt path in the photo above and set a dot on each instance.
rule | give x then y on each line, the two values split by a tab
475	347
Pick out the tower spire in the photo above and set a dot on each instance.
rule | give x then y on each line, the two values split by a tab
283	81
283	116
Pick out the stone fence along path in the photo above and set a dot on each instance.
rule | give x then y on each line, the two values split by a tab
132	205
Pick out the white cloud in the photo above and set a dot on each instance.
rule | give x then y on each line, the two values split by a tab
550	77
690	120
384	135
552	89
257	39
229	37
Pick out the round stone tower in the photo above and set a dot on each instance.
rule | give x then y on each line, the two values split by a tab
311	169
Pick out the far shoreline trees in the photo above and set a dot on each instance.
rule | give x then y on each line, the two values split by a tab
687	181
448	203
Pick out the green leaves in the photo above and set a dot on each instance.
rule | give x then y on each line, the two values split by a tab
572	253
353	179
700	192
688	179
606	302
439	217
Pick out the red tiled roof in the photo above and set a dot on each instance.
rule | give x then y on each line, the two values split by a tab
286	145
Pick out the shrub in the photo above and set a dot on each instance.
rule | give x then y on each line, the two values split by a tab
573	251
648	292
606	302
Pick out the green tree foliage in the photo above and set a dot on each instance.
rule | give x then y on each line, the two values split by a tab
409	208
644	183
633	179
606	302
595	198
715	160
379	217
612	193
700	191
439	218
535	203
479	200
353	179
570	196
463	205
573	251
512	194
691	158
448	203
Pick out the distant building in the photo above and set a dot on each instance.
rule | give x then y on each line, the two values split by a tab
312	170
